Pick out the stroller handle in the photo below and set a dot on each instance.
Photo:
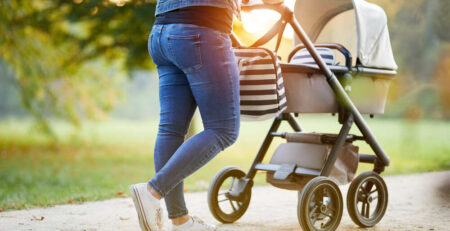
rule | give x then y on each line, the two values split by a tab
280	8
287	16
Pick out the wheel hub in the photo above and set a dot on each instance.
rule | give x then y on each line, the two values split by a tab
323	208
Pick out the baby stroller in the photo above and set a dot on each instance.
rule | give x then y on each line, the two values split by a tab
315	81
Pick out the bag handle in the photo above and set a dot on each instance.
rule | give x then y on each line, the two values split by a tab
277	28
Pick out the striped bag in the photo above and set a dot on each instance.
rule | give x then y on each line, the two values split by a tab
262	93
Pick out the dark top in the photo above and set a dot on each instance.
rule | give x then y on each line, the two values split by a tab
208	16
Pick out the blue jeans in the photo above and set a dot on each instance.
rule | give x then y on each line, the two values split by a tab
196	68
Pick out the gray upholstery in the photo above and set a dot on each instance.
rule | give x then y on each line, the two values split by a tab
310	93
303	154
313	156
312	138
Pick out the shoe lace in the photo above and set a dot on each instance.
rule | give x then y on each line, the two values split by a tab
159	222
200	221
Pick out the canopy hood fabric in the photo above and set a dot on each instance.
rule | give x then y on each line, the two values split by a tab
367	28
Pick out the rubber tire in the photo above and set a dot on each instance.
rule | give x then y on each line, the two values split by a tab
352	194
303	202
214	187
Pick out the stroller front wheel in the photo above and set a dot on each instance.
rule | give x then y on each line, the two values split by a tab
223	206
320	205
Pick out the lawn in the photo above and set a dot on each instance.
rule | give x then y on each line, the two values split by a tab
103	159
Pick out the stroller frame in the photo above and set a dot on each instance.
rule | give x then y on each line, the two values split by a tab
348	113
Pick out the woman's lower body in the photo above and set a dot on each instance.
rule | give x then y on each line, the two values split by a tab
196	68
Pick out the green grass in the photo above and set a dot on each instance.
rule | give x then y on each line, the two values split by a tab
102	159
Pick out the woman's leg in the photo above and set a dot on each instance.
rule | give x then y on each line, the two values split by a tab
177	106
177	109
205	56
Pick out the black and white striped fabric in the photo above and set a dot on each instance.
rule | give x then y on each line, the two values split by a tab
262	93
303	57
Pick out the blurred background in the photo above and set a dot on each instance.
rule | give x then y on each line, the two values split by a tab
79	98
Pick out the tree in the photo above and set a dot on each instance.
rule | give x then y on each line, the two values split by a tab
420	33
58	50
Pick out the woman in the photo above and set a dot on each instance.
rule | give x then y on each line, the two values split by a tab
191	48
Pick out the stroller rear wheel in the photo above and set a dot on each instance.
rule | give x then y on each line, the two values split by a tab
367	199
222	205
320	205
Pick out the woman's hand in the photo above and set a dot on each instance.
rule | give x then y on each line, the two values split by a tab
265	1
273	2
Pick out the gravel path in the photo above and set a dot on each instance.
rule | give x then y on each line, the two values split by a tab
416	202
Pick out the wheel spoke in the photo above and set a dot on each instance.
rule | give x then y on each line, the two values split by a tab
231	184
375	197
313	201
226	199
373	191
328	214
314	220
318	197
368	187
360	196
237	205
367	210
363	188
313	210
329	201
325	192
363	209
232	205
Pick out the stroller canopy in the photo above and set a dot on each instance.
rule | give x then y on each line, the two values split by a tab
358	25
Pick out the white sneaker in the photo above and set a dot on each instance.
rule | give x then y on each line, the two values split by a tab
148	208
196	225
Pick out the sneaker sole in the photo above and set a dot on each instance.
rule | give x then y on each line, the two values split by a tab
139	209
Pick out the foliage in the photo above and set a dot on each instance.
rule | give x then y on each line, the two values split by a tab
420	36
57	50
68	56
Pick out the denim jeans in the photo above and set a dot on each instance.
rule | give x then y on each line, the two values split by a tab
196	68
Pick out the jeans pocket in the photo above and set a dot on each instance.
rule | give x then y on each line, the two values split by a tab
185	51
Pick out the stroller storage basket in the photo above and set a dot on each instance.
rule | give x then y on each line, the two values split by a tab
310	150
307	90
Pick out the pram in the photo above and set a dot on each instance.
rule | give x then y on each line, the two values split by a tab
315	163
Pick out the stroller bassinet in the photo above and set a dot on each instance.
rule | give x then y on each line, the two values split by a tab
356	29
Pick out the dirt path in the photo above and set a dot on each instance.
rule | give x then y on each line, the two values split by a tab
416	202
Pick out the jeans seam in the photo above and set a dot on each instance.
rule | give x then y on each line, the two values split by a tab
197	26
159	42
149	45
230	82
